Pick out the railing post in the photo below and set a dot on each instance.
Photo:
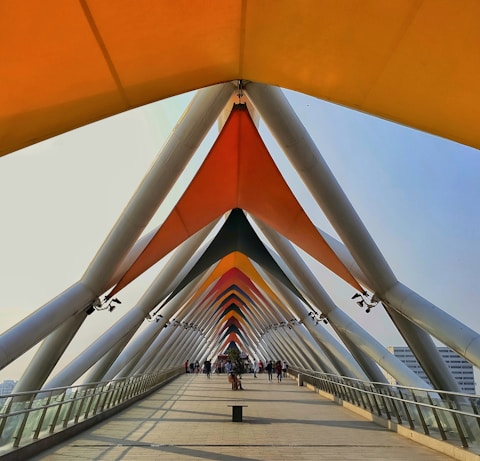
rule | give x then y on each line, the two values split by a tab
80	405
42	418
395	409
474	406
21	428
437	419
57	413
349	393
109	394
300	380
70	408
374	396
5	415
101	399
116	392
458	425
407	413
90	401
384	403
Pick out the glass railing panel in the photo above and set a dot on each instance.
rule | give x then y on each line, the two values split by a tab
443	415
25	417
47	421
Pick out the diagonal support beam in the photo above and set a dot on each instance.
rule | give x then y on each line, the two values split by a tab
302	152
180	147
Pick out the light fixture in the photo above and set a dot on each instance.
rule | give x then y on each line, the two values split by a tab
113	304
365	302
317	317
155	315
99	306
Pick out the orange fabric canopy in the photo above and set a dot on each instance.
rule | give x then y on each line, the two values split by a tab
240	265
69	63
237	173
229	285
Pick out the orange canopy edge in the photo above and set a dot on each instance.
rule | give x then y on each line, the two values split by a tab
67	64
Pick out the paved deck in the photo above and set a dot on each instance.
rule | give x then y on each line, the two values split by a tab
189	420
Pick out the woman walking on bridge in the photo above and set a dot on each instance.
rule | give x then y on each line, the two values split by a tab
279	370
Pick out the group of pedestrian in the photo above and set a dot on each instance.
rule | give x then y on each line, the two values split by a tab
233	375
194	367
280	368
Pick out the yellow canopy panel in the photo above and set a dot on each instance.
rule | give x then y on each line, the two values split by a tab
68	63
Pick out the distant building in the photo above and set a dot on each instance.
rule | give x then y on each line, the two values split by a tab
6	387
461	370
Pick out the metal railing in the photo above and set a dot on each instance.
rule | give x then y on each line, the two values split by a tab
26	417
448	416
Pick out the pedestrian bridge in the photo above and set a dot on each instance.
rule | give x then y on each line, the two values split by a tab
189	416
241	260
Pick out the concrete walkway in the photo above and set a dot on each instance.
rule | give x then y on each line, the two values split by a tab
189	420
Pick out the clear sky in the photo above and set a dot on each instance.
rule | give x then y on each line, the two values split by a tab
417	195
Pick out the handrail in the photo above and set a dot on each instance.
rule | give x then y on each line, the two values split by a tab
444	414
26	417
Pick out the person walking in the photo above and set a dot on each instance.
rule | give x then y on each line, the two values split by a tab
255	368
207	366
285	368
269	369
279	370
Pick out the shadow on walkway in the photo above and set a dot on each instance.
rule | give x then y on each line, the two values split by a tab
189	419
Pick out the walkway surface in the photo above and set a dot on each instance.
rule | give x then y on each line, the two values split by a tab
189	419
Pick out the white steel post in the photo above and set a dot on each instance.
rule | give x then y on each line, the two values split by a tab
297	144
202	113
356	339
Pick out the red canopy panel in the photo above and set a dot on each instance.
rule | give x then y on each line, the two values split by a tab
238	173
242	264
